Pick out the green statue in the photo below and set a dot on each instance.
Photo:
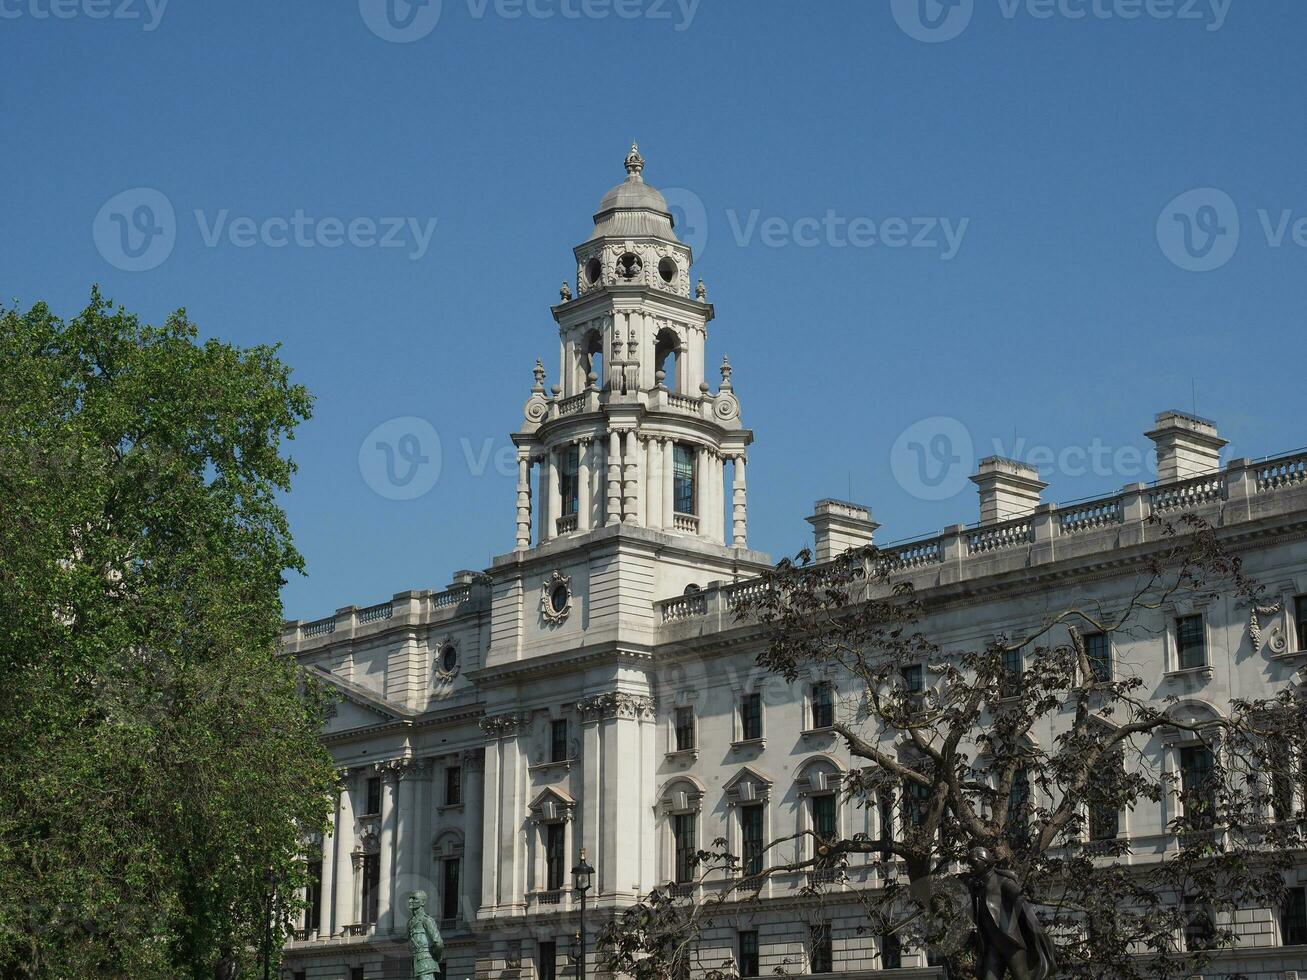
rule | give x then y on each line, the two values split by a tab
424	939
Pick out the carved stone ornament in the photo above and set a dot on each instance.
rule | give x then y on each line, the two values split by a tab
556	597
448	662
1278	642
616	704
503	726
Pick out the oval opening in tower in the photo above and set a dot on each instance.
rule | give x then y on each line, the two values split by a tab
667	269
593	270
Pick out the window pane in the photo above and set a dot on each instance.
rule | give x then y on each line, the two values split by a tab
553	857
820	949
751	717
1197	785
891	952
751	833
1293	925
683	479
313	915
684	729
823	816
449	889
748	954
686	846
371	887
568	482
548	965
453	786
823	706
1191	642
1099	652
558	748
374	796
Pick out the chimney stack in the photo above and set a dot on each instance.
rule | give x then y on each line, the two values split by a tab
840	526
1186	446
1008	489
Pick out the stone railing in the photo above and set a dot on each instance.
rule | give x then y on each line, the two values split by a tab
1187	493
566	524
995	537
1089	516
373	614
451	597
319	627
683	403
1102	523
1287	471
685	522
572	406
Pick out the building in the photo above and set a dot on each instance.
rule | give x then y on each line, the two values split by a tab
591	689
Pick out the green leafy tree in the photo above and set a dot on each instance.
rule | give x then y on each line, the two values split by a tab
954	744
162	762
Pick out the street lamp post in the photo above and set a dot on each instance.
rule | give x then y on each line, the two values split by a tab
581	884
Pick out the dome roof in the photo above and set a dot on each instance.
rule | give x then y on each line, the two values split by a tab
633	209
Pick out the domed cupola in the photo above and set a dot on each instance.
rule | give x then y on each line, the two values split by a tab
634	241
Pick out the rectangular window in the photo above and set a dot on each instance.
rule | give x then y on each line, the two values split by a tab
1293	918
1190	642
1199	930
313	897
1104	821
821	951
686	846
1018	807
751	717
684	729
748	958
356	973
683	479
891	952
1098	650
1282	779
450	871
1300	616
823	705
1013	668
915	682
371	887
554	857
301	975
886	821
823	816
558	741
916	803
568	482
453	786
751	836
1198	791
374	797
547	967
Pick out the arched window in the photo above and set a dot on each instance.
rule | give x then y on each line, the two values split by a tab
667	353
551	815
680	803
818	784
683	479
748	794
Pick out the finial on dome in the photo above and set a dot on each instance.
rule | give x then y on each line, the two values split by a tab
726	372
635	162
539	373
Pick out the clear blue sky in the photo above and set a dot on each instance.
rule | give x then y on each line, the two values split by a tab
1062	322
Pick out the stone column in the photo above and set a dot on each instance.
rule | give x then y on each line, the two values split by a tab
407	835
329	843
703	490
669	484
345	876
544	517
386	859
653	496
523	500
554	468
473	763
614	515
583	485
717	468
631	480
740	505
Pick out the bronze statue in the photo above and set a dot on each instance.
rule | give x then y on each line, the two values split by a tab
1011	939
424	939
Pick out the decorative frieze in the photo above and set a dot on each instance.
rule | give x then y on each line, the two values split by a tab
616	704
505	725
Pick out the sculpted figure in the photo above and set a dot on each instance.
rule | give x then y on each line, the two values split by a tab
424	939
1012	941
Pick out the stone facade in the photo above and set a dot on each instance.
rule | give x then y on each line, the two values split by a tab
589	689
